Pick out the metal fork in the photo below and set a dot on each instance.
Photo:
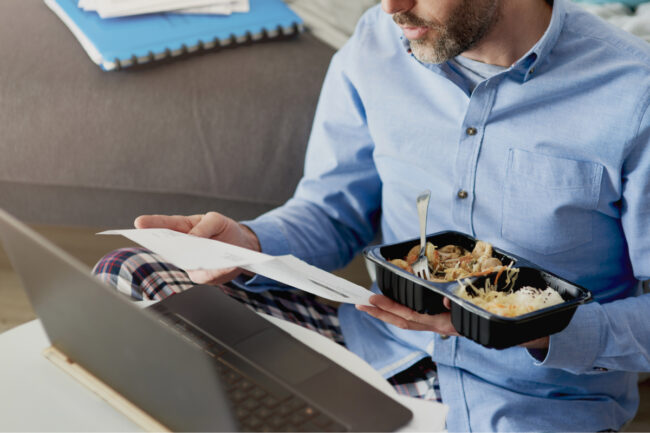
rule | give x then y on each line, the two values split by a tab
421	265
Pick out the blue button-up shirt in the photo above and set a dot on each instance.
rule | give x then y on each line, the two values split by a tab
556	170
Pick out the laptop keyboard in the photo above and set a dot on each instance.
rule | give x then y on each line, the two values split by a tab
259	402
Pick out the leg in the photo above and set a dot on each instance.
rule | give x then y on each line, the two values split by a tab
419	380
141	274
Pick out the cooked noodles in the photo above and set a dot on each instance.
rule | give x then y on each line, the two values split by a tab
452	262
510	303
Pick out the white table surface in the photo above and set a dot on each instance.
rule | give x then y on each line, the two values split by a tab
35	395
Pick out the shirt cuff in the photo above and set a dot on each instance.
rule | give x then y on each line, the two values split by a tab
272	242
575	348
270	233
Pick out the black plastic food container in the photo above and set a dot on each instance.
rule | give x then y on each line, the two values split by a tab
420	295
473	322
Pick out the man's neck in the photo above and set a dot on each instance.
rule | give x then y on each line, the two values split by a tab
520	25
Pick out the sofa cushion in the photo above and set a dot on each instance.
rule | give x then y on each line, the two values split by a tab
230	125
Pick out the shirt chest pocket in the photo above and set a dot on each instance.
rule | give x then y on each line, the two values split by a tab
548	202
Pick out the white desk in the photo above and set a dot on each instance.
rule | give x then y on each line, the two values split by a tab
35	395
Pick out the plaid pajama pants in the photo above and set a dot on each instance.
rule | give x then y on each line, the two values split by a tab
141	274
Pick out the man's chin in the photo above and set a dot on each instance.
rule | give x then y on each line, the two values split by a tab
427	55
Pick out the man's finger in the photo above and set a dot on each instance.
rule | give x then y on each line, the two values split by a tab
178	223
213	276
393	319
440	323
210	225
388	304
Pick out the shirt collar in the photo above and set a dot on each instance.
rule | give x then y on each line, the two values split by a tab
526	66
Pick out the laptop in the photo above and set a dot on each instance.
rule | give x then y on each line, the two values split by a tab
196	361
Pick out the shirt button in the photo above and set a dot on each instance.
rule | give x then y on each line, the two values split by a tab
444	337
462	194
470	131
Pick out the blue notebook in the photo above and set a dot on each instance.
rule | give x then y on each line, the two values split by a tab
115	43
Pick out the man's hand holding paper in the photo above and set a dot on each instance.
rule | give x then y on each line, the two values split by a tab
214	249
211	225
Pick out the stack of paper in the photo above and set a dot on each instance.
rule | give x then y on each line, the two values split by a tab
124	41
121	8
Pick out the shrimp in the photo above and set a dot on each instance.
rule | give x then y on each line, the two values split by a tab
485	263
412	255
450	252
430	252
482	249
402	264
432	256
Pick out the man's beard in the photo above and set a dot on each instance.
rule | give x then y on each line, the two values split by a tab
467	25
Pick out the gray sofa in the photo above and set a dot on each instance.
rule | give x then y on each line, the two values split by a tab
221	131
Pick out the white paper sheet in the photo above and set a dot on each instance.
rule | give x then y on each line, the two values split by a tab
191	253
241	6
294	272
119	8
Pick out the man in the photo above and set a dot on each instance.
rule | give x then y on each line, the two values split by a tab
529	122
